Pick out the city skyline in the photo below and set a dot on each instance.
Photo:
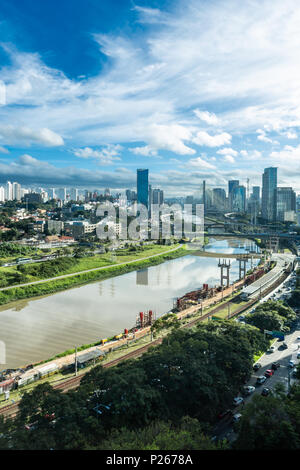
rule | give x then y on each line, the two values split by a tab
142	85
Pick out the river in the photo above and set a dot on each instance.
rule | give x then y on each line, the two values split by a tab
37	329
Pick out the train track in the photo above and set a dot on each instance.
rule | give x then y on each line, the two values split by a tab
69	384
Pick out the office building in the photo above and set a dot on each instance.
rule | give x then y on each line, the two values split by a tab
157	196
231	185
219	198
143	187
285	204
238	199
269	186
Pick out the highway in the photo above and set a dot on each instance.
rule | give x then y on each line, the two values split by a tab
224	428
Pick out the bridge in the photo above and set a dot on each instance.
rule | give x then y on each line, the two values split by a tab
281	235
241	256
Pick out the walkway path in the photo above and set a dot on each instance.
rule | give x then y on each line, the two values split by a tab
89	270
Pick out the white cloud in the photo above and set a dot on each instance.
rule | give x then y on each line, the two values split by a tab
262	136
106	156
209	118
204	139
290	135
229	159
26	136
169	137
3	150
198	162
287	154
227	151
146	151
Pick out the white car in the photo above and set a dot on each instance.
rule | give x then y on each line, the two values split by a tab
249	389
291	364
238	400
236	417
271	349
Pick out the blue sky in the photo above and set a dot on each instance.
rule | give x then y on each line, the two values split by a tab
192	90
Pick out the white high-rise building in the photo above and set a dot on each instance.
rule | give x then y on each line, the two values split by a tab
8	191
16	191
2	194
74	194
62	194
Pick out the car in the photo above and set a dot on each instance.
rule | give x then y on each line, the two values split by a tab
291	364
271	349
256	366
294	373
298	338
224	414
275	365
238	401
249	389
298	355
269	372
260	380
236	417
265	392
284	346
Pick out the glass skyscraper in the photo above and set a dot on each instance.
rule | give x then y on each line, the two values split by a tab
143	187
269	187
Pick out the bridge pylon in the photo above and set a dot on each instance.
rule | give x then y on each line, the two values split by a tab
225	266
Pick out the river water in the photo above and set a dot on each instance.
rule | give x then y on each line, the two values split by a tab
37	329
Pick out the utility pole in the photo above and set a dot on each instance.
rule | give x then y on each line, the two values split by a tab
228	311
75	360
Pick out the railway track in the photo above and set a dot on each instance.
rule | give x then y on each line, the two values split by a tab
74	382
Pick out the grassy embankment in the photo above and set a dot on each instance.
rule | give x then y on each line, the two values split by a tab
49	287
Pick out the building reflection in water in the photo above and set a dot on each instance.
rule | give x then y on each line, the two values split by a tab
142	277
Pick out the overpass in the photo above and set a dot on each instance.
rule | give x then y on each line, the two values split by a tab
288	236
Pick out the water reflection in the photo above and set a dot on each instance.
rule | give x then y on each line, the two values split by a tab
37	329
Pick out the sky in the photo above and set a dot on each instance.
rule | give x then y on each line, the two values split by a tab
191	89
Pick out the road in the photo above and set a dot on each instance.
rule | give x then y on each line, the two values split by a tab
283	356
88	270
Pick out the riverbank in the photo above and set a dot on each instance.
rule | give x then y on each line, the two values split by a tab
67	281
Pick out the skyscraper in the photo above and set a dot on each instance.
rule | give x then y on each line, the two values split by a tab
238	198
269	186
8	191
231	185
285	204
143	187
16	191
256	193
219	198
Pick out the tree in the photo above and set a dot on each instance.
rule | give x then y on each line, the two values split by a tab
266	425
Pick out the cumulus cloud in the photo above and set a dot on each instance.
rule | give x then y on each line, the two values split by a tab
106	156
229	159
198	162
202	138
287	154
227	151
17	135
146	151
209	118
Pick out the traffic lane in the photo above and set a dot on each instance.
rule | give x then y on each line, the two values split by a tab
224	428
